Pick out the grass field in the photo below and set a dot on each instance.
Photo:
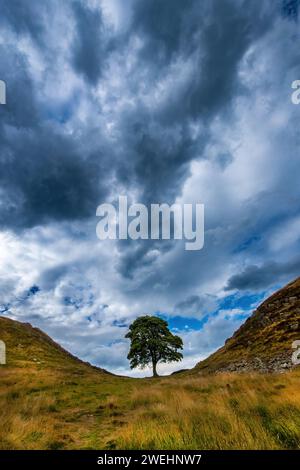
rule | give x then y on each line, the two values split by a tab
78	408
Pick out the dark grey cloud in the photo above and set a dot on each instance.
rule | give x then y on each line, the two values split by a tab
45	174
20	110
26	17
211	38
159	158
45	178
89	42
162	157
50	277
49	176
214	35
162	27
196	306
290	8
169	100
260	277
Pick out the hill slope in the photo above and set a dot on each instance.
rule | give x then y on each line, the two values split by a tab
264	341
51	400
26	345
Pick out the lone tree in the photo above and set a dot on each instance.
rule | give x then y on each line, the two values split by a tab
152	342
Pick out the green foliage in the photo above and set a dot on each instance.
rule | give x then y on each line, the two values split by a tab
152	342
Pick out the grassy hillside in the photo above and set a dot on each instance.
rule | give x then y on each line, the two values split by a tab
264	341
27	345
51	400
81	409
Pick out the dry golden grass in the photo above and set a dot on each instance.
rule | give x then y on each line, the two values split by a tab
224	411
50	400
83	409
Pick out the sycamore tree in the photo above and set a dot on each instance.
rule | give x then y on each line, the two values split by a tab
152	342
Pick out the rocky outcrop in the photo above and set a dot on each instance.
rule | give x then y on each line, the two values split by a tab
264	341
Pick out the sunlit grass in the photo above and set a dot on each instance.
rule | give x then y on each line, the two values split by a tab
48	409
217	412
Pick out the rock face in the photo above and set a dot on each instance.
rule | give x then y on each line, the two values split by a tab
264	342
2	353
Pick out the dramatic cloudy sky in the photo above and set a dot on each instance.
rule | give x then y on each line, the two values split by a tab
162	101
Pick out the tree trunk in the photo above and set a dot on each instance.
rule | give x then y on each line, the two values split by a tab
155	374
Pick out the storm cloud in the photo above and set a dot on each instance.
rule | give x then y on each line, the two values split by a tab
164	101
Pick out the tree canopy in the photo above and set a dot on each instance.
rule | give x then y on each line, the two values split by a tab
152	342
